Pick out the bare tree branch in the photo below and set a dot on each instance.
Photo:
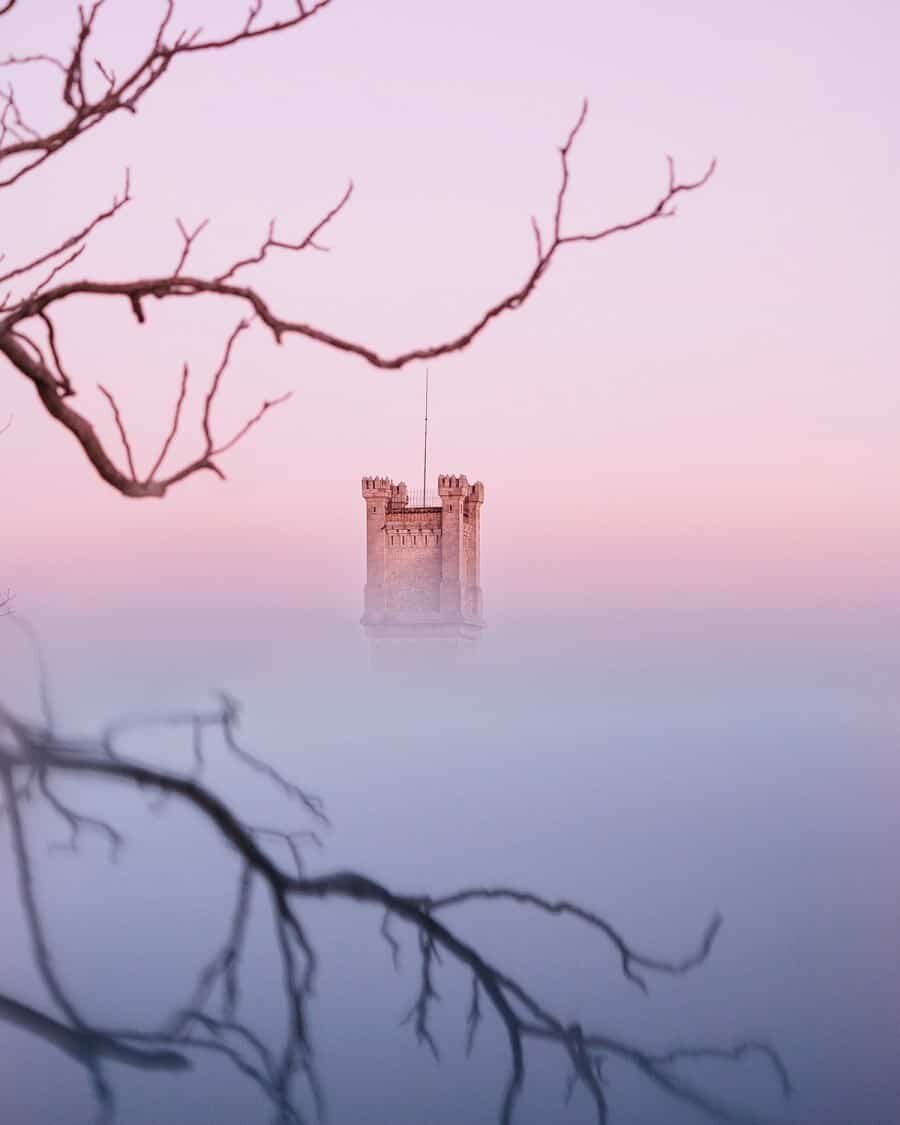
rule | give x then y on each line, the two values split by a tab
83	1045
84	109
188	239
55	389
28	750
629	957
74	240
120	426
54	386
272	243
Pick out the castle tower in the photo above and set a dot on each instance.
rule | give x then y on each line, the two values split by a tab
423	561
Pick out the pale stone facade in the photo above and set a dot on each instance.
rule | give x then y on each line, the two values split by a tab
423	563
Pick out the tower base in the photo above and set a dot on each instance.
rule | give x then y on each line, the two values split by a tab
413	649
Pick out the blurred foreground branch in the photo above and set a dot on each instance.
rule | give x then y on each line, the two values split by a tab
34	761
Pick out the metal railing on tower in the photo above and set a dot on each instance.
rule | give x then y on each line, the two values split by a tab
421	498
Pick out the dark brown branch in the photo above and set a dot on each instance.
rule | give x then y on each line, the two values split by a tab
188	238
65	383
58	268
120	426
33	345
176	419
54	390
27	60
119	201
85	111
251	422
12	122
240	327
223	285
164	287
54	399
272	243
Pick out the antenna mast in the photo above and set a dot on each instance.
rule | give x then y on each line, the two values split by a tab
425	456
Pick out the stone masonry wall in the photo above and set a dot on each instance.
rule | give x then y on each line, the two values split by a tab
413	563
469	565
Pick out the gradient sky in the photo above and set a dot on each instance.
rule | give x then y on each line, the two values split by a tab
702	412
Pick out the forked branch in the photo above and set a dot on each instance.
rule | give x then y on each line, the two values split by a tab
31	756
91	90
53	386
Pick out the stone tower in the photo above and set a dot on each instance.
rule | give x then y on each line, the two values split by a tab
423	558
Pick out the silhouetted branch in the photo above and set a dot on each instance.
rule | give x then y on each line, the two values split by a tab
82	1045
392	943
120	426
86	108
473	1015
30	752
75	240
188	239
628	956
54	389
419	1012
273	243
83	108
224	966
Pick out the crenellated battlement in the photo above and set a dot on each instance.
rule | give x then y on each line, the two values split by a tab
458	486
449	485
380	487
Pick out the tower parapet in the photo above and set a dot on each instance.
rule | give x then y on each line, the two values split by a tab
452	486
377	487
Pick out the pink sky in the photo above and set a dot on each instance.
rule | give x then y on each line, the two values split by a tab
705	411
